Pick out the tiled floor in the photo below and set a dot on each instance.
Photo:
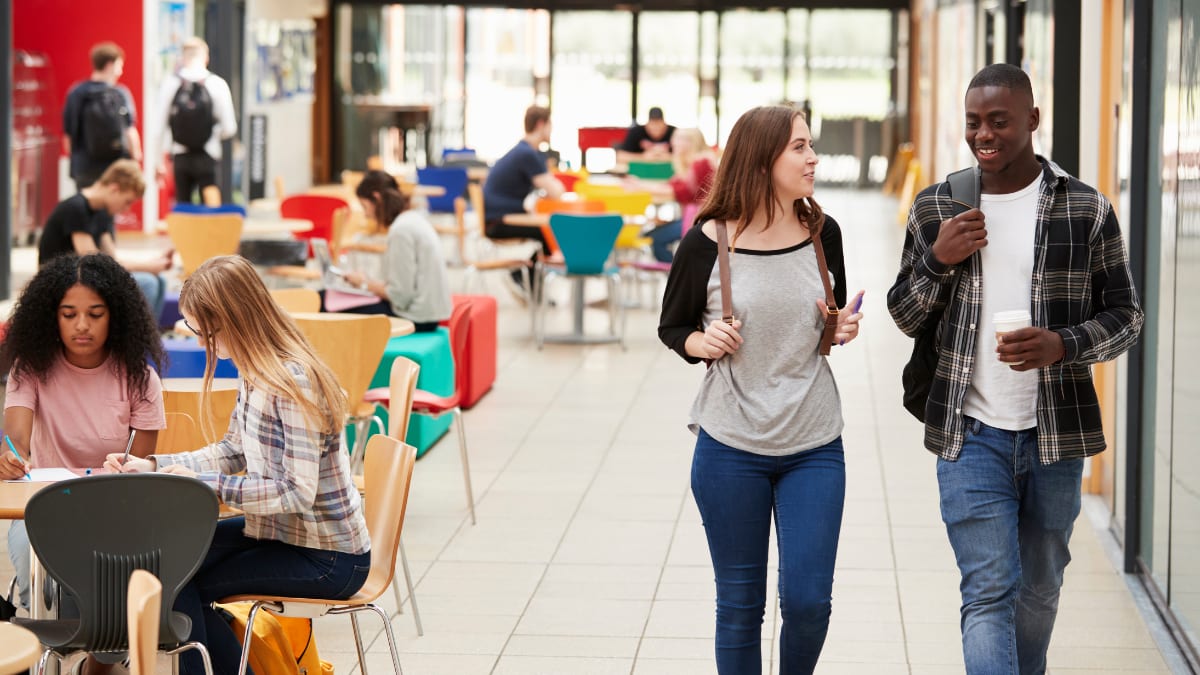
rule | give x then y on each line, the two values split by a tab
589	555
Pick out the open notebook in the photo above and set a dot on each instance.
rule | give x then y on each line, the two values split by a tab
46	476
339	295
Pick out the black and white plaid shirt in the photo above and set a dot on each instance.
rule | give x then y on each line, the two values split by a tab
1082	289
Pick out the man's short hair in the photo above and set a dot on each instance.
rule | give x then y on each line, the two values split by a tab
534	115
126	175
1002	75
192	48
105	53
656	113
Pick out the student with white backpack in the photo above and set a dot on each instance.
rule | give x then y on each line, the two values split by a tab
196	108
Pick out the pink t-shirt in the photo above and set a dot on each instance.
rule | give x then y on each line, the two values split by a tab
82	414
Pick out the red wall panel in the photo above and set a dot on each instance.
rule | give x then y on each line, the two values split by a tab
65	31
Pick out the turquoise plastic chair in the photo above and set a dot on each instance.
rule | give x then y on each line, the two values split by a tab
586	243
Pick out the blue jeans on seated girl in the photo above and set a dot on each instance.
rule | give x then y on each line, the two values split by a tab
737	493
1009	519
662	237
237	564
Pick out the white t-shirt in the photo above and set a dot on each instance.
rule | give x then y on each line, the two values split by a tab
999	396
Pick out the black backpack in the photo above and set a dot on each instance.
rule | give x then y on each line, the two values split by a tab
191	119
102	121
918	373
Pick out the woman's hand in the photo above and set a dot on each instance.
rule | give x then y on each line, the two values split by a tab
720	339
12	468
179	470
112	462
848	319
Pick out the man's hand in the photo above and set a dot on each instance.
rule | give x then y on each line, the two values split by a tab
1030	348
959	237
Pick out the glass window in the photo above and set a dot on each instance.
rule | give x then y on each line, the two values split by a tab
506	51
669	52
751	63
591	83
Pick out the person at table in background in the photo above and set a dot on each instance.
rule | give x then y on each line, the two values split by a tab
82	353
100	118
510	180
767	418
280	462
695	164
83	223
649	142
196	110
415	284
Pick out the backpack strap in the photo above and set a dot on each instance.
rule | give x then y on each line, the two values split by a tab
964	187
723	271
831	308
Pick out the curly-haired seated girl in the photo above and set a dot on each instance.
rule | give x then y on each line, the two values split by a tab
77	354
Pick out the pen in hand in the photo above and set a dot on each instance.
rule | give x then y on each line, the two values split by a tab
132	433
15	453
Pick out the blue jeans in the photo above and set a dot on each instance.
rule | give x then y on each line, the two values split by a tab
737	493
237	564
154	288
1009	519
662	237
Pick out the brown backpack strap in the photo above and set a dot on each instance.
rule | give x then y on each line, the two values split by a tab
831	308
723	270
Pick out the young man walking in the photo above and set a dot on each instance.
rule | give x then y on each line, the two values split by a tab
1012	415
99	118
196	109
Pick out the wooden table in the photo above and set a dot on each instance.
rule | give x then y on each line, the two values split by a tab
19	649
260	225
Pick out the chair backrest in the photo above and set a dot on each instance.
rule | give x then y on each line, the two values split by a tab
651	170
452	178
402	383
350	344
181	435
91	533
297	299
198	237
569	206
144	604
600	137
459	326
452	154
188	207
351	179
317	209
388	472
585	240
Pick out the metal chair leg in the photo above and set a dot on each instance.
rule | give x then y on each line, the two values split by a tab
466	463
247	637
391	637
412	594
204	657
362	654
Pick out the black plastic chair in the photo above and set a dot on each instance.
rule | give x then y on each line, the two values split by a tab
91	533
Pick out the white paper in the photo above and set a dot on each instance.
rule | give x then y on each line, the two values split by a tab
46	476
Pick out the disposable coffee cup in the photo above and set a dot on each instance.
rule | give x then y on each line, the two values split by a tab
1006	322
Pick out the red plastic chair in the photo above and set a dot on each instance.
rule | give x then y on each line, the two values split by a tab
318	209
426	403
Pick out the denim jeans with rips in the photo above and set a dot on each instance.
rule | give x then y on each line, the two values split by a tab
737	493
1009	519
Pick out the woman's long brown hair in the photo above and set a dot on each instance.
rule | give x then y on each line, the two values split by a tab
744	182
229	301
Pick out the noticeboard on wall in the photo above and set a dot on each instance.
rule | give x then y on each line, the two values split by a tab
284	58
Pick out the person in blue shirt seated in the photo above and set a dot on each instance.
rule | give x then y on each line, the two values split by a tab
510	180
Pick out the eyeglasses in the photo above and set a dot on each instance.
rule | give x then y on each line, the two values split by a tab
196	330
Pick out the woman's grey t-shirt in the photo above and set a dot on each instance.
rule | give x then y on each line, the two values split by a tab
775	395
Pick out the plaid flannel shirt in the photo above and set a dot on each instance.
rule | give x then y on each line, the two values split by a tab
296	487
1082	289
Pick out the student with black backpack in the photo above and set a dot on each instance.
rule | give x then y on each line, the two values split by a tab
197	112
100	119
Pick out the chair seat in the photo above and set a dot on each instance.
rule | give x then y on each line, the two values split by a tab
501	264
432	404
294	272
380	395
364	409
357	600
648	265
59	633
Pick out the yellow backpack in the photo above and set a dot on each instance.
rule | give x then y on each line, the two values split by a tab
280	645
